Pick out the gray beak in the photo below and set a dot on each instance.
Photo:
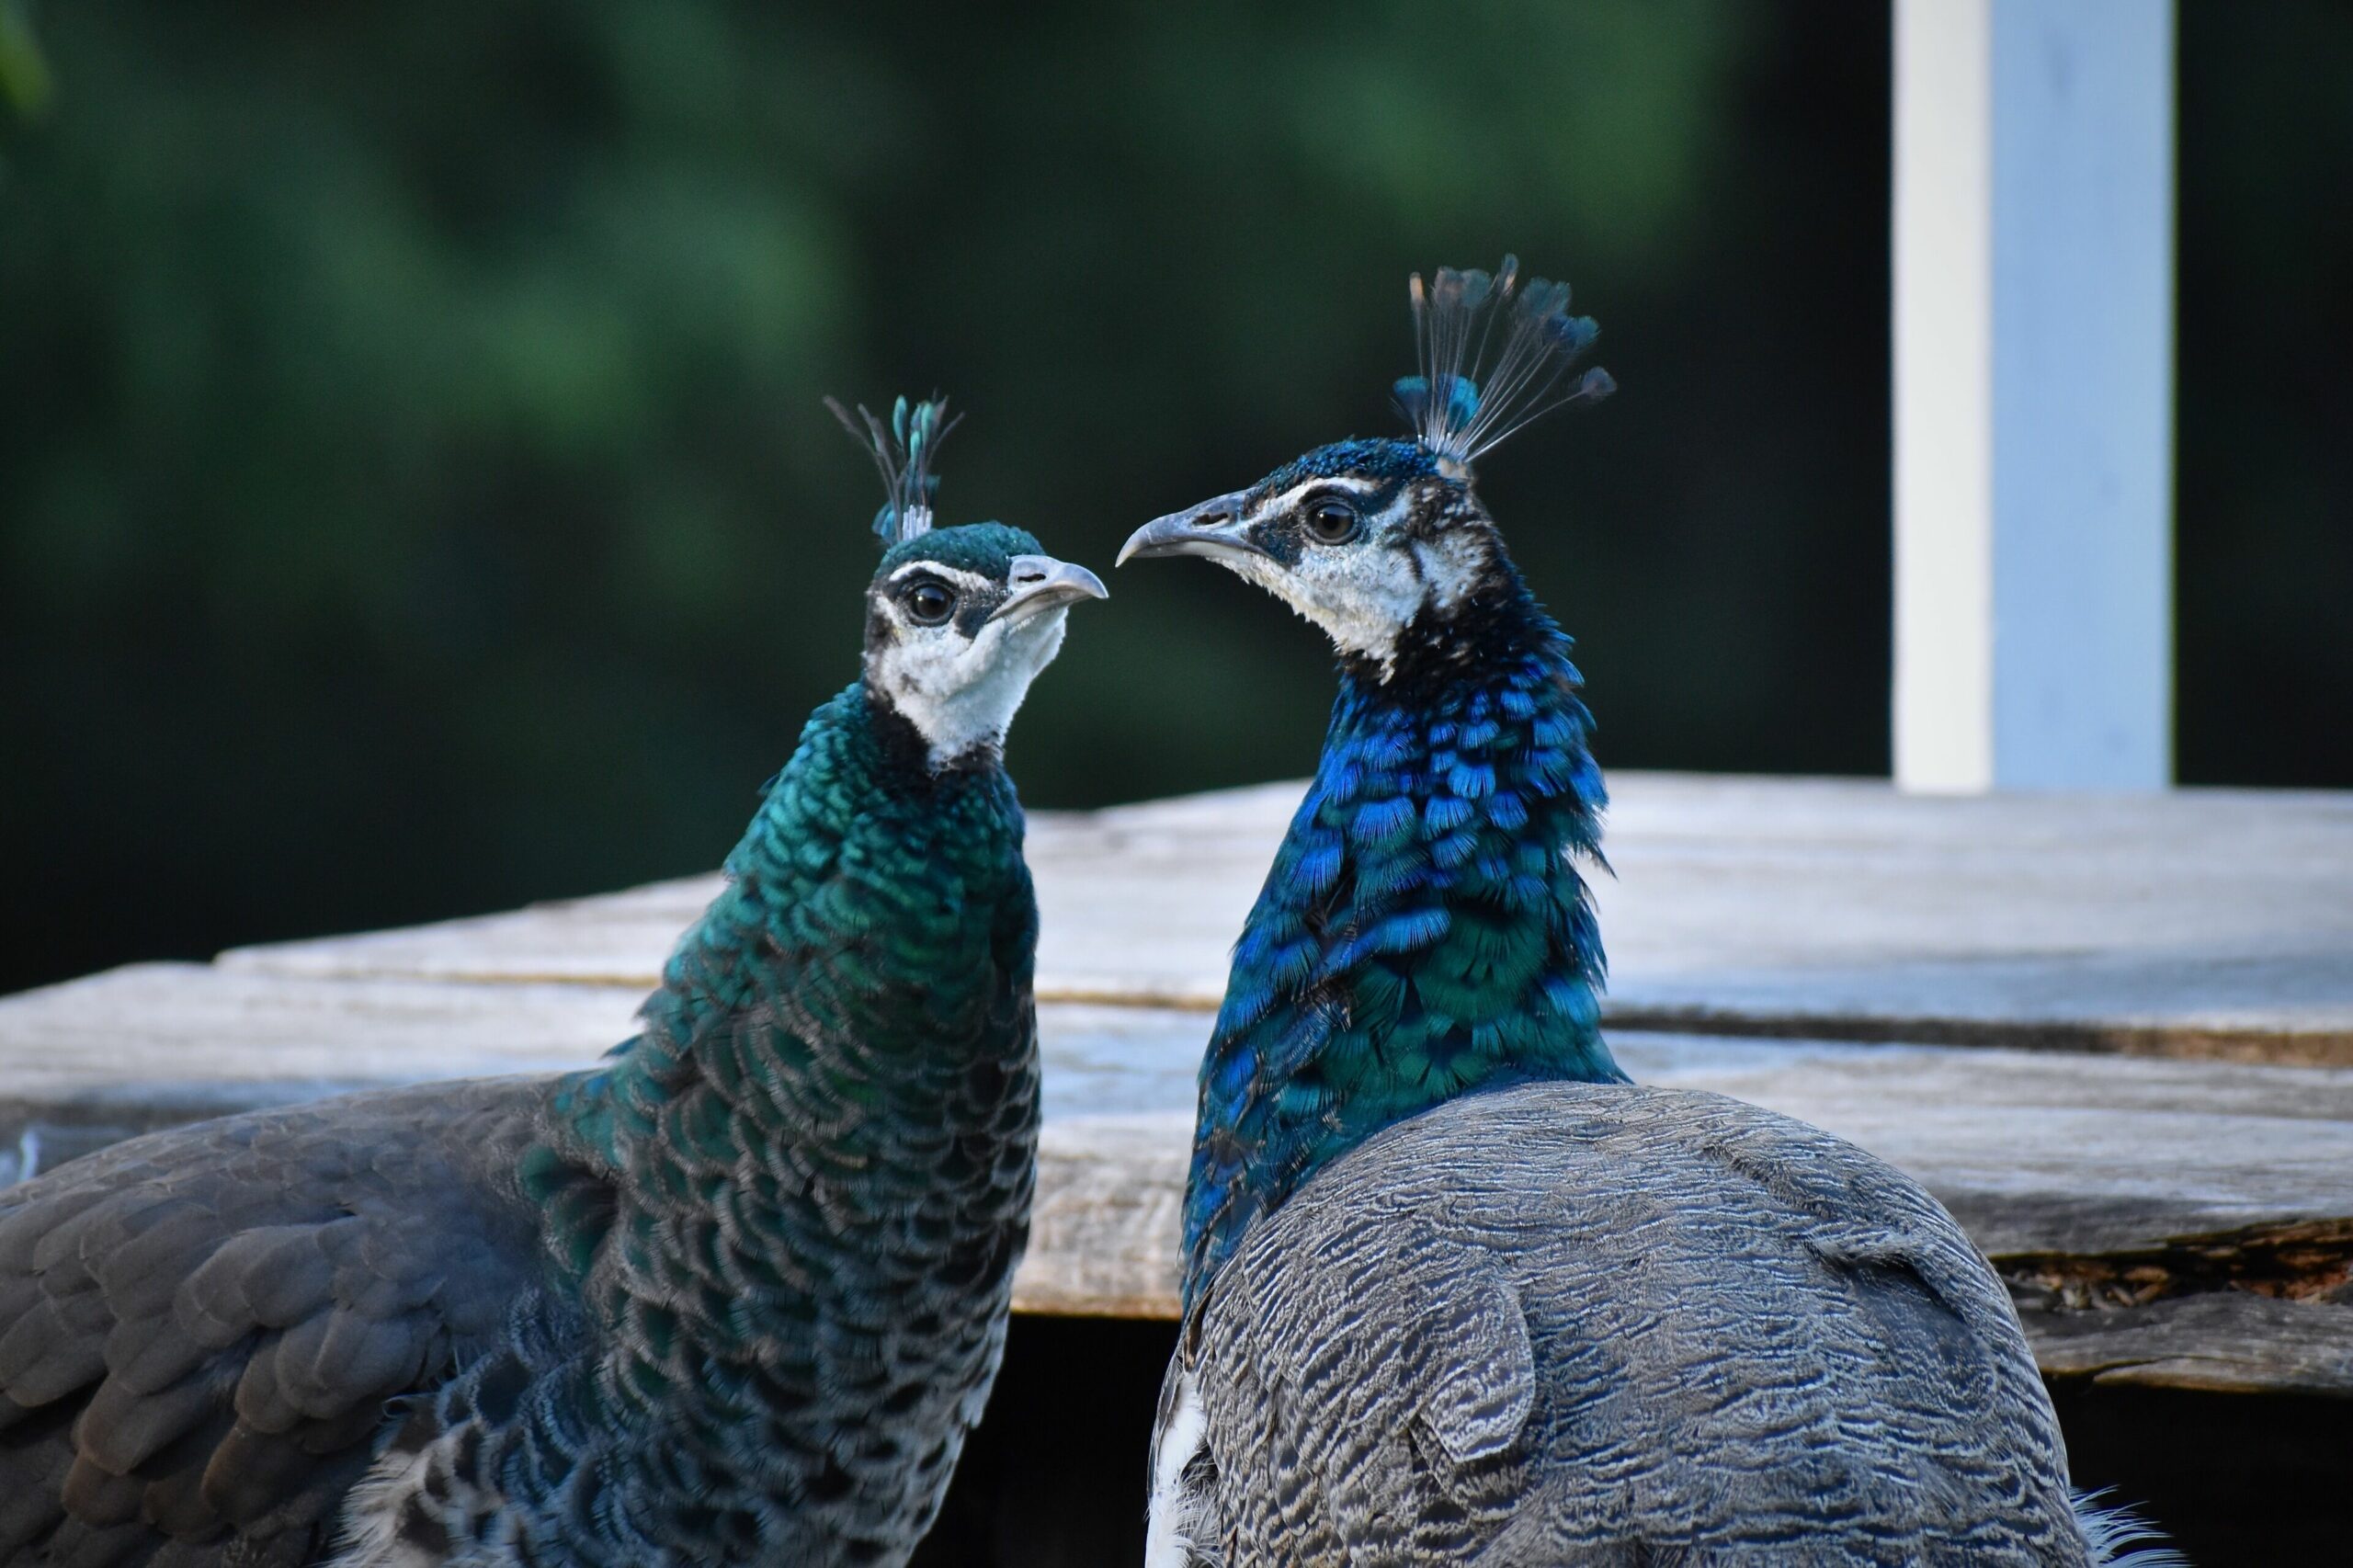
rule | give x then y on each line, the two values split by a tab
1213	528
1038	582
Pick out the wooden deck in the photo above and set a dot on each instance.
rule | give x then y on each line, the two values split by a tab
2114	1035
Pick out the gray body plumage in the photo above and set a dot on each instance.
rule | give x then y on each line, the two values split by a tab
213	1331
204	1325
1597	1324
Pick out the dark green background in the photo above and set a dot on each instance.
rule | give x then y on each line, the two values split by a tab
414	498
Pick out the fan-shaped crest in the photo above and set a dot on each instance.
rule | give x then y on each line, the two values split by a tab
903	450
1462	404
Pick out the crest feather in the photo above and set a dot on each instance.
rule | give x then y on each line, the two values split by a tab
903	450
1461	405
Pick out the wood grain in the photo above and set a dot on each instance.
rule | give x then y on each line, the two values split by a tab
2229	1342
2213	923
2053	1161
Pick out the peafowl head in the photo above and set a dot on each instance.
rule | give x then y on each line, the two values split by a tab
1371	538
958	621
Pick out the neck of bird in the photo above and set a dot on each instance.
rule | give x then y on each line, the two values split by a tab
854	839
1424	933
812	1171
860	990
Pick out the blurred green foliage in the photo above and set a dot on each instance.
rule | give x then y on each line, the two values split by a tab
24	73
415	497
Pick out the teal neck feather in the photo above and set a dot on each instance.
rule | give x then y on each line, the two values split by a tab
1424	933
846	1041
862	893
781	1223
875	913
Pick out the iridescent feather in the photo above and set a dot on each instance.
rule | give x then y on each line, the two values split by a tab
904	451
1478	402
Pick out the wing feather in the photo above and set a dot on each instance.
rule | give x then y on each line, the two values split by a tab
1593	1322
205	1324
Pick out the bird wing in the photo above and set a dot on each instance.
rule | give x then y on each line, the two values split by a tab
1585	1323
200	1329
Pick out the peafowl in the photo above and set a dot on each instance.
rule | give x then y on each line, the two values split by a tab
1454	1289
734	1296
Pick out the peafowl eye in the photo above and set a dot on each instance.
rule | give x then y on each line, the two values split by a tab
928	603
1331	519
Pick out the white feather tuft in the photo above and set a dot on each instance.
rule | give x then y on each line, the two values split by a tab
1181	1522
2115	1534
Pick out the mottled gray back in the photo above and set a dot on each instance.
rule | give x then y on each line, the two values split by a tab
1593	1323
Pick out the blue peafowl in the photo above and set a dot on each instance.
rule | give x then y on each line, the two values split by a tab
734	1296
1454	1289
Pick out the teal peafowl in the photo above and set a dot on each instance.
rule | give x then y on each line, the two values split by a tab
1455	1292
734	1296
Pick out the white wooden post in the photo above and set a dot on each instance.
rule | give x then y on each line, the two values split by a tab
2033	257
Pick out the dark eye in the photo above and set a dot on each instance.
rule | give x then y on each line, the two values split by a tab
928	604
1330	520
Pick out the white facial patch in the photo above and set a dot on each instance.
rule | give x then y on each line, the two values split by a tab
1361	599
1362	595
1454	563
963	692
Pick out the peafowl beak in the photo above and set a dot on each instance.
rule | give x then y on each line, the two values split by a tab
1213	528
1040	583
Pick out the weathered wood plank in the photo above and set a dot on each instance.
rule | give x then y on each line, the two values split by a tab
1110	1190
1103	1236
211	1038
2198	923
2227	1341
2055	1152
2063	1167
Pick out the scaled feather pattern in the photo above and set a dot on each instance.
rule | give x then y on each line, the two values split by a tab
734	1296
1455	1292
1423	931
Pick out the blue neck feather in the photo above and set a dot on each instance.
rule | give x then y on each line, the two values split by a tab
1423	932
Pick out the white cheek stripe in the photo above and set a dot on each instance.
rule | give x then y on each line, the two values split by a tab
1394	513
954	574
1283	502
